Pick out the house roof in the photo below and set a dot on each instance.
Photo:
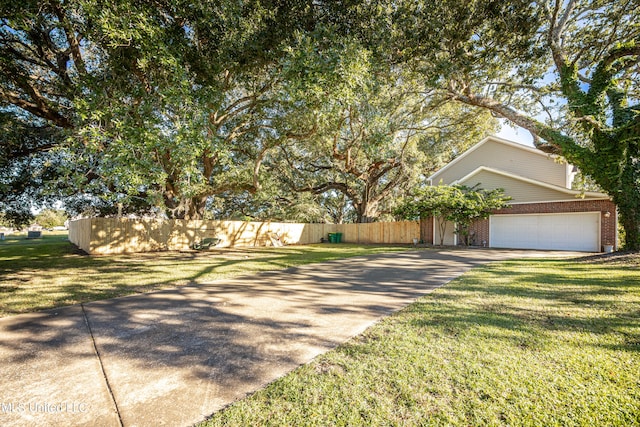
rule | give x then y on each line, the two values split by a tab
481	143
568	191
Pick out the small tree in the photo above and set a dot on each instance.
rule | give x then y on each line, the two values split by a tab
50	218
436	202
477	203
453	203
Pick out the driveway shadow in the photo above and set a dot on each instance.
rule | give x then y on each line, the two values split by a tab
176	356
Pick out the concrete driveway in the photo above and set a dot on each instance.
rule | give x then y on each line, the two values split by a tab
174	357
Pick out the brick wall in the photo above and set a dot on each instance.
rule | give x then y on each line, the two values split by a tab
480	232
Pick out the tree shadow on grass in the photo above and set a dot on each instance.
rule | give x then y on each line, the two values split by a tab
55	275
543	302
41	275
198	347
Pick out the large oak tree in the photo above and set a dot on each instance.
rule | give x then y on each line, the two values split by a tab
148	100
567	71
43	58
374	129
592	51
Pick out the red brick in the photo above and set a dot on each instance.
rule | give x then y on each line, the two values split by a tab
608	225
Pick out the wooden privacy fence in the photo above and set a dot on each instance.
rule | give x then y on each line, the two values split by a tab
124	235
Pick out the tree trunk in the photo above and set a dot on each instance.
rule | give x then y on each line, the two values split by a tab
617	174
185	208
442	227
197	207
366	211
629	216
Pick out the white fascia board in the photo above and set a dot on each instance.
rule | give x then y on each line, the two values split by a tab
555	201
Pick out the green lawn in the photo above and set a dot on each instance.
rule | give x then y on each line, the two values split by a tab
534	342
49	272
519	343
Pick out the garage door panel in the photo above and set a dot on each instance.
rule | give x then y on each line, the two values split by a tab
579	231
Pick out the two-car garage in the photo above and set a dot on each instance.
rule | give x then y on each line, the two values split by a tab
565	231
545	211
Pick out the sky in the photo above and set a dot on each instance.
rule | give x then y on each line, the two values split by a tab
516	134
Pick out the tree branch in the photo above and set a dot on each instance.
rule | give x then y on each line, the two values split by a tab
72	40
554	141
39	107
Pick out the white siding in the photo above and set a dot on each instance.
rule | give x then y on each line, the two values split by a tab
520	191
449	234
509	158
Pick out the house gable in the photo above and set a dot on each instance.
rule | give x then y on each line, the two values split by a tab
524	190
506	156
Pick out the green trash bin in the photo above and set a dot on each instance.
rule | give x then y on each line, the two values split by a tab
332	238
338	237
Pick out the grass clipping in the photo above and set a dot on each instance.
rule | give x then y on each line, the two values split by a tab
525	343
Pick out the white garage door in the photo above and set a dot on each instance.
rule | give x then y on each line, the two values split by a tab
574	231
